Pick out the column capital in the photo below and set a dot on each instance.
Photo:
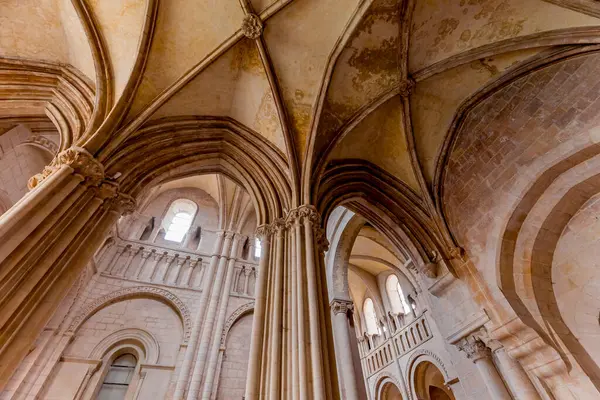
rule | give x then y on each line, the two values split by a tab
341	306
79	159
474	348
263	232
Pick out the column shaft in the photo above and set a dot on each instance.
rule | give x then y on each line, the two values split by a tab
516	377
46	240
257	339
211	369
291	353
190	353
207	326
348	387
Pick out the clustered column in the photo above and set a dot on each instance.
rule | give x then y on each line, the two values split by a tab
291	354
198	370
46	239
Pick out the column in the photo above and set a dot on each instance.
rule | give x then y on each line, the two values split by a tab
517	379
213	362
142	264
132	254
481	355
298	362
208	325
113	262
155	267
175	274
188	274
343	350
190	352
247	272
46	239
253	381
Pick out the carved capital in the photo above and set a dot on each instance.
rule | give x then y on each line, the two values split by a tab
121	203
321	238
474	348
339	306
263	232
82	162
229	235
252	26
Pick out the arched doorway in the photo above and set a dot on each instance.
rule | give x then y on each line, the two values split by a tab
429	383
390	392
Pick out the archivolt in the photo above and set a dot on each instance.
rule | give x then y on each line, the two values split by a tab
242	310
57	91
172	148
529	242
135	292
392	207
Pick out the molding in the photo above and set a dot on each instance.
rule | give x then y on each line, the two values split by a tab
559	37
474	324
521	70
80	360
583	6
236	315
135	292
145	340
429	356
157	367
442	284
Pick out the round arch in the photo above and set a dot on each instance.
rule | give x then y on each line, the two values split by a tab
241	311
143	339
135	292
386	387
420	358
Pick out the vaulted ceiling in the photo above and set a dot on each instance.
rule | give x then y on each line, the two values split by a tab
319	81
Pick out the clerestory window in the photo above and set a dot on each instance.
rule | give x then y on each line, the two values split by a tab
396	295
370	317
257	248
178	220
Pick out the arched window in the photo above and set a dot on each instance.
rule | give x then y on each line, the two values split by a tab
396	296
257	248
370	317
178	219
117	379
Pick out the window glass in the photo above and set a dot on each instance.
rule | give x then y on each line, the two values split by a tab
179	226
370	317
391	286
396	296
257	248
405	306
178	220
117	379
